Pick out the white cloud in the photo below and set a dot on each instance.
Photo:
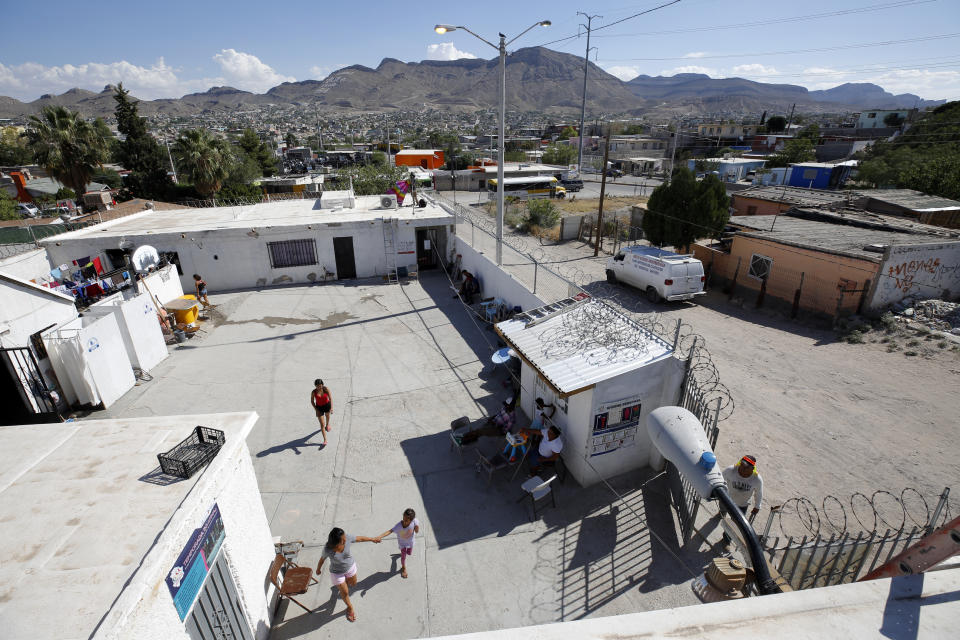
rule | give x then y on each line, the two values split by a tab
694	54
692	68
931	85
446	51
753	70
624	73
29	80
246	71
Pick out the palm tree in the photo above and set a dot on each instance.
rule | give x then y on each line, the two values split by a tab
203	158
67	146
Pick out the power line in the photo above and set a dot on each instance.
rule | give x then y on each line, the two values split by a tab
760	23
793	51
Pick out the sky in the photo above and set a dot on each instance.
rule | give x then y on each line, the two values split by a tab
171	48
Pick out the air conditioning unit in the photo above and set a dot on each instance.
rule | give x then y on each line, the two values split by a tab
388	202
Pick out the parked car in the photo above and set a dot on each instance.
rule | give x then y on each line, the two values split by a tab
662	275
28	210
572	184
614	173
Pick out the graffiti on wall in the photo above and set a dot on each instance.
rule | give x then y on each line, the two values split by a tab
918	271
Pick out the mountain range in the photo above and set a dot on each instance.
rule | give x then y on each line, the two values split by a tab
538	79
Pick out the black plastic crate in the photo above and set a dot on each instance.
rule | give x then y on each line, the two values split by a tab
192	453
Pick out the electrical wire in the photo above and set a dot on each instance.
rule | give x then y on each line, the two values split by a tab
863	45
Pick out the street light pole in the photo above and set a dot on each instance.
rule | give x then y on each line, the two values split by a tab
501	143
502	51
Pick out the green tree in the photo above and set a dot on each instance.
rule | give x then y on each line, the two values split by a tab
685	209
8	206
542	214
204	159
559	154
247	192
242	169
893	120
259	151
378	159
373	180
64	193
140	152
794	151
567	133
810	132
67	146
776	124
514	156
109	177
13	148
291	140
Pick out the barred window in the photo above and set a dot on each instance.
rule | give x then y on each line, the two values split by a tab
760	266
292	253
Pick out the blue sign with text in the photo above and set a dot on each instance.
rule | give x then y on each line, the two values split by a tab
194	562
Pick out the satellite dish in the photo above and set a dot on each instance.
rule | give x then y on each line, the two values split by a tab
145	257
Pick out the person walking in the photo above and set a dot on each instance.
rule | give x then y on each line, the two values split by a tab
744	482
405	530
322	403
343	568
201	290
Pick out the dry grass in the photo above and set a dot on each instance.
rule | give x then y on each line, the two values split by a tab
590	205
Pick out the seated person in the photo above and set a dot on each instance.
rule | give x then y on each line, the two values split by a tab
495	426
549	449
469	288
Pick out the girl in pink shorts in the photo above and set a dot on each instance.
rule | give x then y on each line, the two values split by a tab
405	530
343	568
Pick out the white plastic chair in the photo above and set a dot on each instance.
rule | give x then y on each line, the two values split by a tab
537	489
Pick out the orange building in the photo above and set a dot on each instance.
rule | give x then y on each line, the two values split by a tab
813	260
423	158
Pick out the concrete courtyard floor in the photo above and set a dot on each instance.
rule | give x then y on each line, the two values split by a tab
402	362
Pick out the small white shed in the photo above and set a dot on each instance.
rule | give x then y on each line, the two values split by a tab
604	372
139	327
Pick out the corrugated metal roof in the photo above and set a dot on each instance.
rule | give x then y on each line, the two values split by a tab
582	345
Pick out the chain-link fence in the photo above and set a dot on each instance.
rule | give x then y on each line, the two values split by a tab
19	239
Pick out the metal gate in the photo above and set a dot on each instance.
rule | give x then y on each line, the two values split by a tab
217	614
39	405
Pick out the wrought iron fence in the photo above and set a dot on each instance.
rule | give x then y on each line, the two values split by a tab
835	550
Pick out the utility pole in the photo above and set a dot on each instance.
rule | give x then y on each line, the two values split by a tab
172	167
790	121
583	102
603	188
673	154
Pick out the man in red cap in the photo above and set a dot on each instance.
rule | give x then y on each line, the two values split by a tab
743	483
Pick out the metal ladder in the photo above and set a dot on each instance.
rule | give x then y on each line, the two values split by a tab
390	249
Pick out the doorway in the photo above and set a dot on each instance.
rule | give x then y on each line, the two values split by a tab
343	255
427	249
23	392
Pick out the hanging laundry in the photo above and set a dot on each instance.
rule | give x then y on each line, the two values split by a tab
97	265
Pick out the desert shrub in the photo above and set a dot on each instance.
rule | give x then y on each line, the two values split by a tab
543	214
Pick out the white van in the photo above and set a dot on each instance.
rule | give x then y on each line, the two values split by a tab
661	274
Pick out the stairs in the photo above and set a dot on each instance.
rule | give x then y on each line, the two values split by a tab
390	248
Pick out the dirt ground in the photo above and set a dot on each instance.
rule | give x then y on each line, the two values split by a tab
823	415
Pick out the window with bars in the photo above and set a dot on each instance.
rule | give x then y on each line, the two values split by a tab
292	253
760	266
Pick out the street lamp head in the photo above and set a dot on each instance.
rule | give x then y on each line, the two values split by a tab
444	28
545	23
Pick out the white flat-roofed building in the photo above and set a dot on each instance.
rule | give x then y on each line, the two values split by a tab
604	372
338	235
93	536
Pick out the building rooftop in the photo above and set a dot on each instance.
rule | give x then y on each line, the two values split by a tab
79	509
581	344
796	195
419	152
267	214
846	235
912	200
